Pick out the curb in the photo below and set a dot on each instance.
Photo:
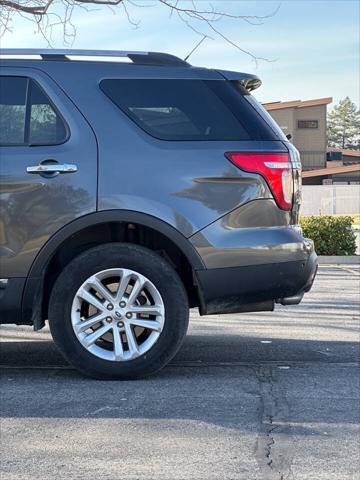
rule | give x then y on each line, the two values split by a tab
339	259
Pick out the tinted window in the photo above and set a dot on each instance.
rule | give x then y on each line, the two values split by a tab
267	117
188	109
27	117
13	93
46	126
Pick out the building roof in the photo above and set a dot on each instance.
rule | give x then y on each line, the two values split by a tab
298	103
322	172
344	151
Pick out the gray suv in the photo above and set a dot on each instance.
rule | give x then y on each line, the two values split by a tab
133	191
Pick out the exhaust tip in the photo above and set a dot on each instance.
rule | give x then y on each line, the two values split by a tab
294	300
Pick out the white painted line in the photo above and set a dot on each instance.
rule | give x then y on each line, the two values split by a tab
349	270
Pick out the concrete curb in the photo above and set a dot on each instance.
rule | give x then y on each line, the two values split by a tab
339	259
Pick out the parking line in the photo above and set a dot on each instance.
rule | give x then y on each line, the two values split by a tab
349	270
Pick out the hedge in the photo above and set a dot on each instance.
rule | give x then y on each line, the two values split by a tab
331	235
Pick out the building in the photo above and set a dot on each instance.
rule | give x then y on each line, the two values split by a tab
347	157
305	121
338	174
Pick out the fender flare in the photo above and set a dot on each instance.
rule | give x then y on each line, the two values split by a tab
106	216
32	295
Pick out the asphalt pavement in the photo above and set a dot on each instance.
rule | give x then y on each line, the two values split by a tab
260	396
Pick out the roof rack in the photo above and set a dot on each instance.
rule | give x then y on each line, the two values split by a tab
144	58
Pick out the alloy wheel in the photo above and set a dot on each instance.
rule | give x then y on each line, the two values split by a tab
118	314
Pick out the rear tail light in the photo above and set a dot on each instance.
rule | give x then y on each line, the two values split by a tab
296	163
276	168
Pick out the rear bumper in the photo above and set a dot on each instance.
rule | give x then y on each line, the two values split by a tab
256	287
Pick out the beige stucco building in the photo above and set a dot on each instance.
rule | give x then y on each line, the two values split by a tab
305	121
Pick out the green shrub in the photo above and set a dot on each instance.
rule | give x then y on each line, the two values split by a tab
331	235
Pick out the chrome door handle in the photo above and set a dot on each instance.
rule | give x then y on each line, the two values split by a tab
53	168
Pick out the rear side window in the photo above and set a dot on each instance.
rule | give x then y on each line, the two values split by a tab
267	117
12	110
27	117
187	109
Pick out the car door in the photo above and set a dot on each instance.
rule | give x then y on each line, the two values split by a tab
48	166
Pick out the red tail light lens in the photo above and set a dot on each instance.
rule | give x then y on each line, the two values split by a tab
276	168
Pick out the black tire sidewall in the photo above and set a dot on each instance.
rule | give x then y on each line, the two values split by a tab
141	260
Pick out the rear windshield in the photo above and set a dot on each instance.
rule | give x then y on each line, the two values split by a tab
188	109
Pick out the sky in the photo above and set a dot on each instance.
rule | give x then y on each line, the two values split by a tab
312	46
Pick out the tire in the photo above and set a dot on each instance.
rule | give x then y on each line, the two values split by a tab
108	357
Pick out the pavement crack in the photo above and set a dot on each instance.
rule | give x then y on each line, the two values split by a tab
273	456
270	442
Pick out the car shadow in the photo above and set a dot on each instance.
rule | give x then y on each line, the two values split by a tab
18	351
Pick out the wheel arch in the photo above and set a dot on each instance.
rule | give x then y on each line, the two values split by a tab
111	225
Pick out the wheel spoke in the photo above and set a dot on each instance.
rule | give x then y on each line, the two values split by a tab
123	284
118	347
88	297
150	324
146	310
92	337
136	290
131	340
96	284
90	322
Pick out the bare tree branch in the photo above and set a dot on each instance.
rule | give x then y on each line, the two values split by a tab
40	9
51	14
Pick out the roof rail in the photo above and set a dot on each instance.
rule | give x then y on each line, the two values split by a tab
144	58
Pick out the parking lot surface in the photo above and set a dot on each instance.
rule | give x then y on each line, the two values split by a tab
260	396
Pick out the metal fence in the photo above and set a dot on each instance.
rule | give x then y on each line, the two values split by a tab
330	199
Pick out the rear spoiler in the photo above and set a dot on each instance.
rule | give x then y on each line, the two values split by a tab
249	81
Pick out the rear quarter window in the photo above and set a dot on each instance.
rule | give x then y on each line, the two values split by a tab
267	117
182	110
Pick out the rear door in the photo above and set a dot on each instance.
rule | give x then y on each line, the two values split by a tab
48	166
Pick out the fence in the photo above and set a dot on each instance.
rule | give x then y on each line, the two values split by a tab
330	199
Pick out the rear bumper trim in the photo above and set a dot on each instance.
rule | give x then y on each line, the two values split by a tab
238	289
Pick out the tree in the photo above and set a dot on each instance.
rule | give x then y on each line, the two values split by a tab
344	125
198	16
